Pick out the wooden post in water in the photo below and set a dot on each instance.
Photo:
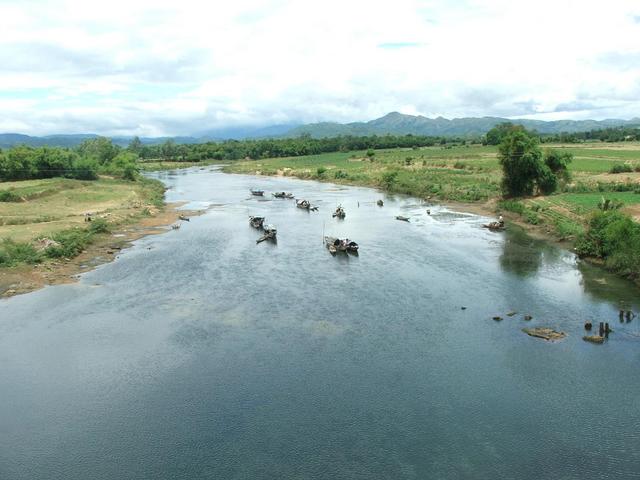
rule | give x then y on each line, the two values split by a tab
606	329
621	314
601	329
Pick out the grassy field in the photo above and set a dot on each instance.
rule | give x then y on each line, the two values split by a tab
55	209
472	173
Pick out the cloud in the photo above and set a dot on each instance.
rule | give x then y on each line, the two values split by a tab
154	67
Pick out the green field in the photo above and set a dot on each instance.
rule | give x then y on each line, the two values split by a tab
44	207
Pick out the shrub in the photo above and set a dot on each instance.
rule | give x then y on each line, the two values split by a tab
621	168
72	242
340	174
321	171
512	206
99	225
12	253
8	196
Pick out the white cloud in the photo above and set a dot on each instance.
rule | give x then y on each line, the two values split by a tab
156	67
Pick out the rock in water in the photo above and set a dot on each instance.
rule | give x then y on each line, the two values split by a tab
593	338
544	333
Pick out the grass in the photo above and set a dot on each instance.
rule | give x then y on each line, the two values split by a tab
55	209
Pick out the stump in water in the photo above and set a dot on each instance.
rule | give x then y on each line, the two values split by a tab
544	333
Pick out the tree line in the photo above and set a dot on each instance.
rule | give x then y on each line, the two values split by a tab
281	147
92	157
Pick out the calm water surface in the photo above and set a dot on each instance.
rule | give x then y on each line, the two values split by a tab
199	354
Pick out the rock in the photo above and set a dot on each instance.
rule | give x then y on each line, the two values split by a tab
593	338
544	333
511	314
497	318
463	308
588	325
528	317
44	243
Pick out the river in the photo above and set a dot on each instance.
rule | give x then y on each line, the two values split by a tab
199	354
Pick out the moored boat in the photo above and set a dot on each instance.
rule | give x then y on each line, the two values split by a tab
341	245
257	193
270	233
282	195
340	213
402	218
256	222
306	205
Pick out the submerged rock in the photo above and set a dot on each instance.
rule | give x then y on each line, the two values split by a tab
544	333
593	338
497	318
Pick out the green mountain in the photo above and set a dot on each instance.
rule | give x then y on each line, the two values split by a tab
401	124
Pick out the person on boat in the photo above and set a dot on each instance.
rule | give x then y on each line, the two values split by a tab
501	221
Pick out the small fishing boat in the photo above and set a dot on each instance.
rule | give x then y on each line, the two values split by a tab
340	213
495	226
256	222
402	218
282	195
257	193
306	205
270	233
341	245
380	203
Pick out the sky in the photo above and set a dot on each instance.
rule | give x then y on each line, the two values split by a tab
156	67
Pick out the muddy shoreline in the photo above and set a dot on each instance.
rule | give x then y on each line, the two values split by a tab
105	249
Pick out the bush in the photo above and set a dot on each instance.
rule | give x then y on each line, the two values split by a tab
512	206
84	169
340	174
99	225
321	171
8	196
12	253
621	168
72	242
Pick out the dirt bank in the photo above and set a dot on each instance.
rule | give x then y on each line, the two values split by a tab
105	248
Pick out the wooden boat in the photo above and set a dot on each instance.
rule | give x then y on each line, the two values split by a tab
256	222
380	203
403	218
340	213
282	195
341	245
257	193
270	233
495	226
305	204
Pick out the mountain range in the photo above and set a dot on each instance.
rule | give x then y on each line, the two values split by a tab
392	123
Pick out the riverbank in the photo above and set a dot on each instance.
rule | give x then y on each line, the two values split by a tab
46	240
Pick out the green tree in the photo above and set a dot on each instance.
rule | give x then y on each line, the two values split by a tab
100	148
558	163
497	134
169	150
521	161
135	145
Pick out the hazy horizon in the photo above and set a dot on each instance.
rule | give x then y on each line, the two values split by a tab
160	69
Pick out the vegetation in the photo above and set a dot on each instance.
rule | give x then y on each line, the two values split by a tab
54	209
94	156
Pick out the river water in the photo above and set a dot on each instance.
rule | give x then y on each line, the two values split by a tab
199	354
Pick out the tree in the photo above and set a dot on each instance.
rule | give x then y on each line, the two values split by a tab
558	163
135	145
521	161
100	148
497	134
169	149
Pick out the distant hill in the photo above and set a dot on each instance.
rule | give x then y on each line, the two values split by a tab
392	123
401	124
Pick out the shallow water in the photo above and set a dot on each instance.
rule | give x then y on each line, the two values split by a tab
199	354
